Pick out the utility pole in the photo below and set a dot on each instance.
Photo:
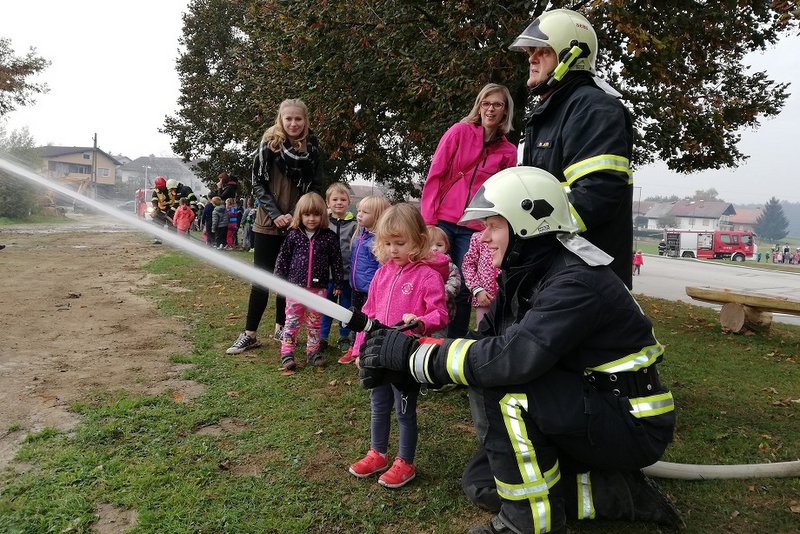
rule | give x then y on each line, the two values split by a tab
94	167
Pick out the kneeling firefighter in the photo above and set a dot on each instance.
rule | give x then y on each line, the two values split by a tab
564	389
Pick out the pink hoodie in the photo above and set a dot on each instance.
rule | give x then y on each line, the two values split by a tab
416	288
183	218
461	163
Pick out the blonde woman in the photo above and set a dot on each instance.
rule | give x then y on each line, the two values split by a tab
287	165
468	154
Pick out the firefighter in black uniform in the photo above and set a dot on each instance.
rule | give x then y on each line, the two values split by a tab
565	363
579	132
177	191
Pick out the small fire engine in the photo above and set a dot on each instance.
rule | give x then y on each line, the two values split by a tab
712	244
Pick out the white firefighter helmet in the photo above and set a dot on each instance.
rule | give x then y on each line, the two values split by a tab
532	200
561	30
172	183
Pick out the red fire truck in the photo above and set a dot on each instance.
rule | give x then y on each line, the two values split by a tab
712	244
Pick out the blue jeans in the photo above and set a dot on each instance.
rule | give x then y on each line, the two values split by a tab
382	399
459	237
344	301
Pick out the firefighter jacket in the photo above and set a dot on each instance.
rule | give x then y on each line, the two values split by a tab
554	315
584	137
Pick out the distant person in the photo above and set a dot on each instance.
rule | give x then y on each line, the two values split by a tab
183	217
248	218
220	222
163	210
287	165
638	261
207	220
662	247
227	186
177	191
480	275
232	213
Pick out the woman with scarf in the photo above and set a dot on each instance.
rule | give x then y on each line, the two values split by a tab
287	165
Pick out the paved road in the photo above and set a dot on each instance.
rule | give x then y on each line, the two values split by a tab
667	278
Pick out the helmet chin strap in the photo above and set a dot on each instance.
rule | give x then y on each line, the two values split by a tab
568	59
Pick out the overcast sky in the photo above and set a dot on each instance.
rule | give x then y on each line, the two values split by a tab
113	73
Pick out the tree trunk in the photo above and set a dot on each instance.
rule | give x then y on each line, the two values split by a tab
737	318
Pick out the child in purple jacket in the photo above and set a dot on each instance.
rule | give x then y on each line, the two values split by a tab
308	254
407	288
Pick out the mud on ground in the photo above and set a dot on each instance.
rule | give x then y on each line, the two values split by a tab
73	322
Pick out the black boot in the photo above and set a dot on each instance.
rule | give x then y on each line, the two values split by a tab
631	496
494	526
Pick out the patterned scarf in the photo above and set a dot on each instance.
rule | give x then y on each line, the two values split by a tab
298	167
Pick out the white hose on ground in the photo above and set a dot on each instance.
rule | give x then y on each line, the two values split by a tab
708	472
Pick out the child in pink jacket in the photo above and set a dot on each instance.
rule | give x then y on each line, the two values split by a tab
183	217
480	275
407	288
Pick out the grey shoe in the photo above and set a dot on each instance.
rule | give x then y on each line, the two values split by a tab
243	343
316	359
288	363
278	335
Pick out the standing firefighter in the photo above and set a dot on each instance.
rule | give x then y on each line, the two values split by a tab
565	364
163	210
579	133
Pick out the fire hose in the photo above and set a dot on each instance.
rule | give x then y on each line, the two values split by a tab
357	321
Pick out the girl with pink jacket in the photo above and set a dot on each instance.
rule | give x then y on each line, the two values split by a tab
480	275
407	289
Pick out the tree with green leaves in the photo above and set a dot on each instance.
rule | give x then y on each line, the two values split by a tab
772	224
384	79
16	89
17	196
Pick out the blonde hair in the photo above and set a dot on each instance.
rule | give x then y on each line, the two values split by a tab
474	116
437	234
402	221
336	187
375	203
216	201
310	204
275	135
230	201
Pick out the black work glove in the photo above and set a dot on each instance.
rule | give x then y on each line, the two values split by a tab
384	359
359	322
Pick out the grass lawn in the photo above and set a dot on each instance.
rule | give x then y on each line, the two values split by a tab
263	452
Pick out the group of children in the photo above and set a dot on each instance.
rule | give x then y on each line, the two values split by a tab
385	262
222	221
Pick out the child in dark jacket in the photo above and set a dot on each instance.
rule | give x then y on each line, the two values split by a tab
219	219
308	256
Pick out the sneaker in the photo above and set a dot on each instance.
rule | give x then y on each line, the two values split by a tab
323	345
344	344
316	359
288	363
347	358
400	474
243	343
278	335
373	462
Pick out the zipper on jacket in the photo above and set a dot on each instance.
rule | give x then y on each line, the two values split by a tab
391	291
355	262
471	180
310	259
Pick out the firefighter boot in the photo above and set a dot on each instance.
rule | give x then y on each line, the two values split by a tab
631	496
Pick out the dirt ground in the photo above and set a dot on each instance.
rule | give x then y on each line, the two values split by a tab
73	323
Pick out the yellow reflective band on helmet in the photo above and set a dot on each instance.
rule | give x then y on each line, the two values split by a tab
632	362
577	218
456	354
585	502
535	485
603	162
652	405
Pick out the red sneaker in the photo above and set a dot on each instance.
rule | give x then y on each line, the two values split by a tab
373	462
400	474
348	357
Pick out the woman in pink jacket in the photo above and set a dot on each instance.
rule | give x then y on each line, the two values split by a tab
408	288
471	151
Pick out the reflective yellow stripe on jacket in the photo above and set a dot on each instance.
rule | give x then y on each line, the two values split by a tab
603	162
456	355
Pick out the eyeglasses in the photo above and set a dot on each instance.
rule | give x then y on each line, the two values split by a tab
493	105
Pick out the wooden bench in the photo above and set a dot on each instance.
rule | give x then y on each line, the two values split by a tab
745	310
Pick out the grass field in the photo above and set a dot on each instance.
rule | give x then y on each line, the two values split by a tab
263	452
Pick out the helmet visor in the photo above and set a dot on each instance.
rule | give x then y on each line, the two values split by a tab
479	208
531	37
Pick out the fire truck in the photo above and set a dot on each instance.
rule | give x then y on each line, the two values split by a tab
711	244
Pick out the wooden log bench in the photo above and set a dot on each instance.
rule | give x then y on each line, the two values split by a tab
745	310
